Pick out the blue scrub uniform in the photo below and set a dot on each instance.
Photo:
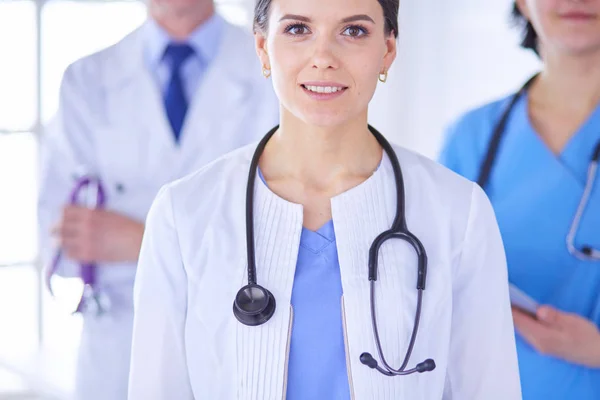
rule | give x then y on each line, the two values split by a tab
317	361
317	364
535	194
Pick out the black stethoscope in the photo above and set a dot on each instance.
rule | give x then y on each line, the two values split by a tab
254	305
585	252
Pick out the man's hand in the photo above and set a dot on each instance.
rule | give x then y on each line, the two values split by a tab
88	235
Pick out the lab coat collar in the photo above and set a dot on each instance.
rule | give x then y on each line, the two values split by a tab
130	56
218	98
367	186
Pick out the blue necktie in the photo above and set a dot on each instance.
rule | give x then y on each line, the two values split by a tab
175	101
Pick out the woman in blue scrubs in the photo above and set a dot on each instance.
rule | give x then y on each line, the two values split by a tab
532	153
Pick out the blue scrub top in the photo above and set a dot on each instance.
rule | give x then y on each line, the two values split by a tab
535	194
317	363
317	360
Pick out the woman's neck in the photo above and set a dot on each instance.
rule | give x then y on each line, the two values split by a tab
569	82
309	165
562	98
323	158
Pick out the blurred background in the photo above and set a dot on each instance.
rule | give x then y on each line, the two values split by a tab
452	55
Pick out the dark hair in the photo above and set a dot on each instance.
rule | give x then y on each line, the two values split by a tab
390	13
529	38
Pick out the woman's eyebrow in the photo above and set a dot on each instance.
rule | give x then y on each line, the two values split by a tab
353	18
359	17
294	17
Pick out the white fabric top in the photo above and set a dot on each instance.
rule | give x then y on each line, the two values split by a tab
187	344
112	123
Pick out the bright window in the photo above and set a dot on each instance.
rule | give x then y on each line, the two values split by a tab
17	77
71	30
18	224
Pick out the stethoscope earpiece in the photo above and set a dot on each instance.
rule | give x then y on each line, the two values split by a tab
254	305
368	360
425	366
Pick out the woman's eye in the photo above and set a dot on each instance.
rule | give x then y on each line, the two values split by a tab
297	29
354	31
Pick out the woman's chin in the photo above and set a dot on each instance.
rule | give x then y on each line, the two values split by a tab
325	118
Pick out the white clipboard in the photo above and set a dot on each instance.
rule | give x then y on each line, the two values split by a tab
522	301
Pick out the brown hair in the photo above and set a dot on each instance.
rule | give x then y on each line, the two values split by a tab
529	38
390	13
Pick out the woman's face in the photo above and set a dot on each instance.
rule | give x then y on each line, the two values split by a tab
326	56
565	26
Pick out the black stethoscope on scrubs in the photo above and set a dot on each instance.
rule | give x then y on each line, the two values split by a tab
254	305
583	253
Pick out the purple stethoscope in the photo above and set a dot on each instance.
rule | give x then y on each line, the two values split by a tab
93	299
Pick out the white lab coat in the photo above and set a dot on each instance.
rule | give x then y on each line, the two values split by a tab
188	345
112	122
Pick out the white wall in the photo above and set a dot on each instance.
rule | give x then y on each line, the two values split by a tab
453	55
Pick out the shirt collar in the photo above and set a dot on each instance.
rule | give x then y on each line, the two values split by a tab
204	40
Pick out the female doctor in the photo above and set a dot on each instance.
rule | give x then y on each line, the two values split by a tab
536	154
323	263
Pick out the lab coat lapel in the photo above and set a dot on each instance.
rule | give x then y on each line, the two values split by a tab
144	132
216	113
211	128
137	98
137	142
262	351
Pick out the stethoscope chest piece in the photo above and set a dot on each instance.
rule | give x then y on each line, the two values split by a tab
253	305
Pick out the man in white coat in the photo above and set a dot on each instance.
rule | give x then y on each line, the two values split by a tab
170	97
